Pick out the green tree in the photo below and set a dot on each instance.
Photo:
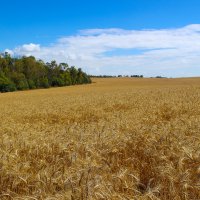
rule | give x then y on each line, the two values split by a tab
6	85
28	73
73	73
20	81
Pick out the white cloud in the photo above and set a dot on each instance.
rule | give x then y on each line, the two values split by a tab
9	52
168	52
27	49
30	47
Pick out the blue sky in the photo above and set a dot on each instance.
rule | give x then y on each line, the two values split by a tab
86	33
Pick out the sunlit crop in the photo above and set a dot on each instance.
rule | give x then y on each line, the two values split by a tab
116	139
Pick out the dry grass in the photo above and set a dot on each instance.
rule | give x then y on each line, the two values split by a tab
128	139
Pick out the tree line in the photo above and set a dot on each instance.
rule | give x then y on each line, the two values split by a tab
28	73
114	76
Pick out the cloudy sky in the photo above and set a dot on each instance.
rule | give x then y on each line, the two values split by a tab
149	37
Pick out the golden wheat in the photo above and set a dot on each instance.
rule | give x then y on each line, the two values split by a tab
123	138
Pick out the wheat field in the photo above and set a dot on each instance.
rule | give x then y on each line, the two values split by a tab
115	139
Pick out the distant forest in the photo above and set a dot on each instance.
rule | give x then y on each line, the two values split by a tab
118	76
28	73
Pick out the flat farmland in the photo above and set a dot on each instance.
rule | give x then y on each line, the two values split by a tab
117	138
